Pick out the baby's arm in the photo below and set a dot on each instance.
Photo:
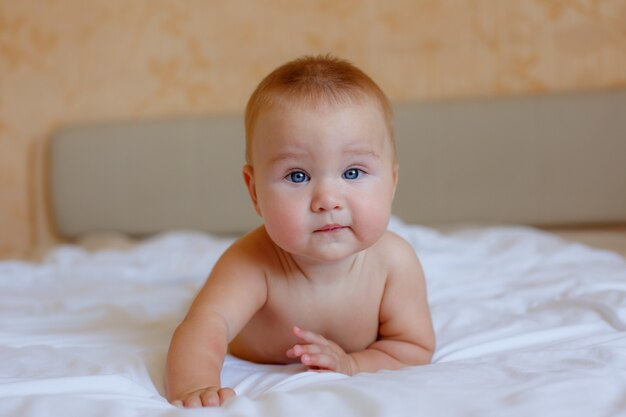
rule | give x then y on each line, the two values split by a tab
405	335
235	290
194	362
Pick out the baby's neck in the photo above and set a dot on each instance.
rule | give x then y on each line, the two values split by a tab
325	272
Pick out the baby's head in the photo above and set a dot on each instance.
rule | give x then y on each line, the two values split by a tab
313	81
321	163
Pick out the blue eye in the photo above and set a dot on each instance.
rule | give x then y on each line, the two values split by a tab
352	174
297	177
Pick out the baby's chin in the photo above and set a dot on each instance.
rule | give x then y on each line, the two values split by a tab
326	249
327	253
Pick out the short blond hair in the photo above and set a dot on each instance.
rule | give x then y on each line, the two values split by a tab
313	80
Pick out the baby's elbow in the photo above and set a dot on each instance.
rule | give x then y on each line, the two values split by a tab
422	352
414	354
422	355
428	355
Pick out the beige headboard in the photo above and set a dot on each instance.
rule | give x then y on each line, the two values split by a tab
544	160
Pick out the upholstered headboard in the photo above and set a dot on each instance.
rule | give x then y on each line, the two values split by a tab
554	159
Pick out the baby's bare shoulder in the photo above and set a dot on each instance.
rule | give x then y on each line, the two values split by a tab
247	259
254	247
395	250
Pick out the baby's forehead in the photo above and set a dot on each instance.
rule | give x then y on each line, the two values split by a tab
359	117
330	144
322	109
276	114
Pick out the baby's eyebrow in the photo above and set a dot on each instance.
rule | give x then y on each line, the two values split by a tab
285	155
362	152
352	151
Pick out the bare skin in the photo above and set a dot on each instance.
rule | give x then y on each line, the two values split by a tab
290	317
321	282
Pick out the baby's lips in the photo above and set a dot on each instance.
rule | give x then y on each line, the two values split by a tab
330	228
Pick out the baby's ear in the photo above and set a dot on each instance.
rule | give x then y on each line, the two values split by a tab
248	178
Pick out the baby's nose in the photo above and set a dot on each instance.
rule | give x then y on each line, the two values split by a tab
326	198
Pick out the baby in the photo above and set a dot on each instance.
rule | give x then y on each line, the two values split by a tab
322	282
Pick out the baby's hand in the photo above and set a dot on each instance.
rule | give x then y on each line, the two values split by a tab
318	352
205	397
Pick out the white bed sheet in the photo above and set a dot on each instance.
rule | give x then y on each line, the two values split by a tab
527	324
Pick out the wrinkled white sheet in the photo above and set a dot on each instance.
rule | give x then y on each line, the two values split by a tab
527	325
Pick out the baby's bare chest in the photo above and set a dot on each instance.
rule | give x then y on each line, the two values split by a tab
346	314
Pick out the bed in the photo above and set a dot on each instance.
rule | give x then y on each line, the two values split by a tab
528	321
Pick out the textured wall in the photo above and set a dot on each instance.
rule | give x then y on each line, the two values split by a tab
74	61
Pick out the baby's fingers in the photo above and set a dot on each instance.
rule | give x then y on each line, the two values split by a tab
298	350
226	394
206	397
318	360
310	337
210	398
190	401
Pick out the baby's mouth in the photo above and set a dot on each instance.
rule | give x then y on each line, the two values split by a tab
329	228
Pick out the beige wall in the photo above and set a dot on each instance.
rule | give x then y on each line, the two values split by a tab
74	61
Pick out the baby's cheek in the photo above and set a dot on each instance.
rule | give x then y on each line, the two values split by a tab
373	221
284	228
